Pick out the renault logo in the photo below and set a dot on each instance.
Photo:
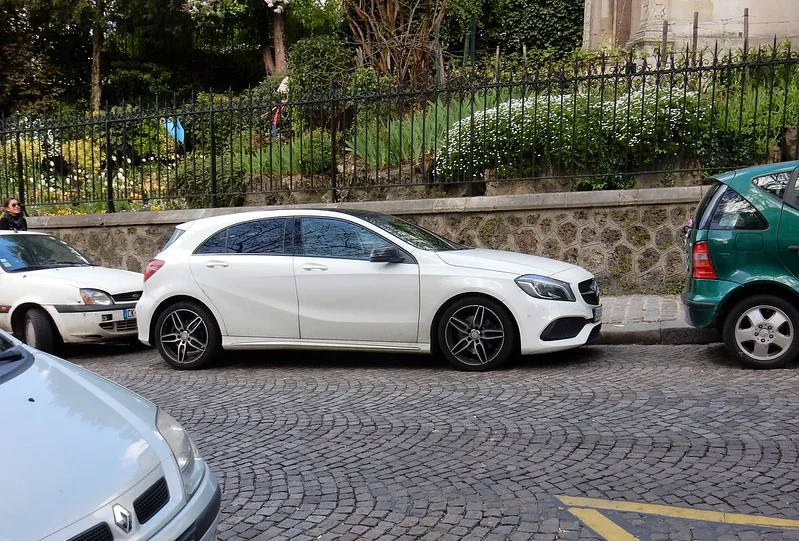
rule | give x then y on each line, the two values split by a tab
123	518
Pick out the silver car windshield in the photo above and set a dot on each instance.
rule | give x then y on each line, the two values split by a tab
12	359
416	236
21	252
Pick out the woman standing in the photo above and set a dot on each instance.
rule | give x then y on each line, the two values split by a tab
12	218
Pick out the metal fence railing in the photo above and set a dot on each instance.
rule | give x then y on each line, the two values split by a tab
597	126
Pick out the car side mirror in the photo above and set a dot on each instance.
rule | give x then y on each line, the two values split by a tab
386	254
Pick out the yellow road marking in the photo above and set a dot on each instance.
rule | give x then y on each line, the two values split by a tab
681	512
601	524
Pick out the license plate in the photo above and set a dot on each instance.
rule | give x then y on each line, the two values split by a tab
128	313
597	314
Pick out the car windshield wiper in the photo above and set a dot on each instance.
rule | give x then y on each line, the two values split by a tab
12	354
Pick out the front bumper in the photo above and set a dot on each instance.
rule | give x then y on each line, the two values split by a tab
81	323
550	326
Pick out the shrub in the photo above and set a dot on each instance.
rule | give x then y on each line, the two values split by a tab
191	181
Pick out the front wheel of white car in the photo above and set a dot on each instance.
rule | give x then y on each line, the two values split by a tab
187	336
476	333
38	331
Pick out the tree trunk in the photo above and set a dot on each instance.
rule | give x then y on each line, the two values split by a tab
269	60
97	59
279	31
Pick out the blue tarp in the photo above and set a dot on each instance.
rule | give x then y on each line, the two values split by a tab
174	129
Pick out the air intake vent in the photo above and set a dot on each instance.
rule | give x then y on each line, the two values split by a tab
127	297
101	532
149	503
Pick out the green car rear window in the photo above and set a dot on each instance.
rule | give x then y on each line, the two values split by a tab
735	212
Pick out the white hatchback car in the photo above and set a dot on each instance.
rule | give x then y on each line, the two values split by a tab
84	459
51	293
357	280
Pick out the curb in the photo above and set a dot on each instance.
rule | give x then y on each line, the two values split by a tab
664	333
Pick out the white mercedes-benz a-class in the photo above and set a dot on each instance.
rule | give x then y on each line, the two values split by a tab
356	280
50	293
84	459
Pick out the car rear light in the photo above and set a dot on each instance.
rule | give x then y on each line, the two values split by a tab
703	266
151	266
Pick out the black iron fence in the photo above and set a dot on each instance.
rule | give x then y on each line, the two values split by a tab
595	126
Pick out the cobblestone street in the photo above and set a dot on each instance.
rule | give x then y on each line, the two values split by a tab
344	446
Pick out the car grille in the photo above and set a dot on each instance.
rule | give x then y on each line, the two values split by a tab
590	292
101	532
153	499
127	297
119	326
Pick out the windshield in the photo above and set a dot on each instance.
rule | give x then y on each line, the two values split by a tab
414	235
20	252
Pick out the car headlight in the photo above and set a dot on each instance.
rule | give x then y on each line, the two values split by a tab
191	466
543	287
95	296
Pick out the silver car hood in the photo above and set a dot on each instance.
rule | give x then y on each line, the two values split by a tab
111	281
502	261
72	430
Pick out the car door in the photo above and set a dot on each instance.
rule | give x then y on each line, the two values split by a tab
247	272
788	235
344	296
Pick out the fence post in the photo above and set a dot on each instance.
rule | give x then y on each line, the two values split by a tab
212	142
20	177
333	166
109	176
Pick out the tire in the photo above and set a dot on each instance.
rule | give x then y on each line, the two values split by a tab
38	331
762	332
187	336
476	334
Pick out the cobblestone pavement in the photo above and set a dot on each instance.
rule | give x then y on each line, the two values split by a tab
323	446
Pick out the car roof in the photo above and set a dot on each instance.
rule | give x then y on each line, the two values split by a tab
756	170
11	232
232	218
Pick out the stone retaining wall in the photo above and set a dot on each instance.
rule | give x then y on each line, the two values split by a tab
632	240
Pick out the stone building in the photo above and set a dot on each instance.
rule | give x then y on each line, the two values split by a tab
639	23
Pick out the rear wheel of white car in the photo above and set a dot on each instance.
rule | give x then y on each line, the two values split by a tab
476	333
761	331
38	331
187	336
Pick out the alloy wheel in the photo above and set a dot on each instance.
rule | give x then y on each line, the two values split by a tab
474	335
764	332
184	336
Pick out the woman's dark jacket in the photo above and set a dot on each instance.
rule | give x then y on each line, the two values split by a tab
16	223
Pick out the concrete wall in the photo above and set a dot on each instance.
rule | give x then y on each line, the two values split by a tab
632	240
639	23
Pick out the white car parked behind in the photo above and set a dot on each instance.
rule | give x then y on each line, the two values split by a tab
51	293
356	280
84	459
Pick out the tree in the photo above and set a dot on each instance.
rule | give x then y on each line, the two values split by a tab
397	38
95	16
213	11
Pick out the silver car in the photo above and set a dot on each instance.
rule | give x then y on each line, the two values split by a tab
84	459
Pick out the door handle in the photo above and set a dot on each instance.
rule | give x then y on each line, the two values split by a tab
313	267
793	248
215	264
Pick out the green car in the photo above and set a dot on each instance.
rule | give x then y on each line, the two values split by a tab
742	254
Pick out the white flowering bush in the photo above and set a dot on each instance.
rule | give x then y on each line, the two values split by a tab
568	134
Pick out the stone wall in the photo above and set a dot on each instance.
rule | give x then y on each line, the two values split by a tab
632	240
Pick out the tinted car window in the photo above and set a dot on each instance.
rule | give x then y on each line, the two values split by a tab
699	215
775	184
735	212
414	235
217	244
324	237
256	237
